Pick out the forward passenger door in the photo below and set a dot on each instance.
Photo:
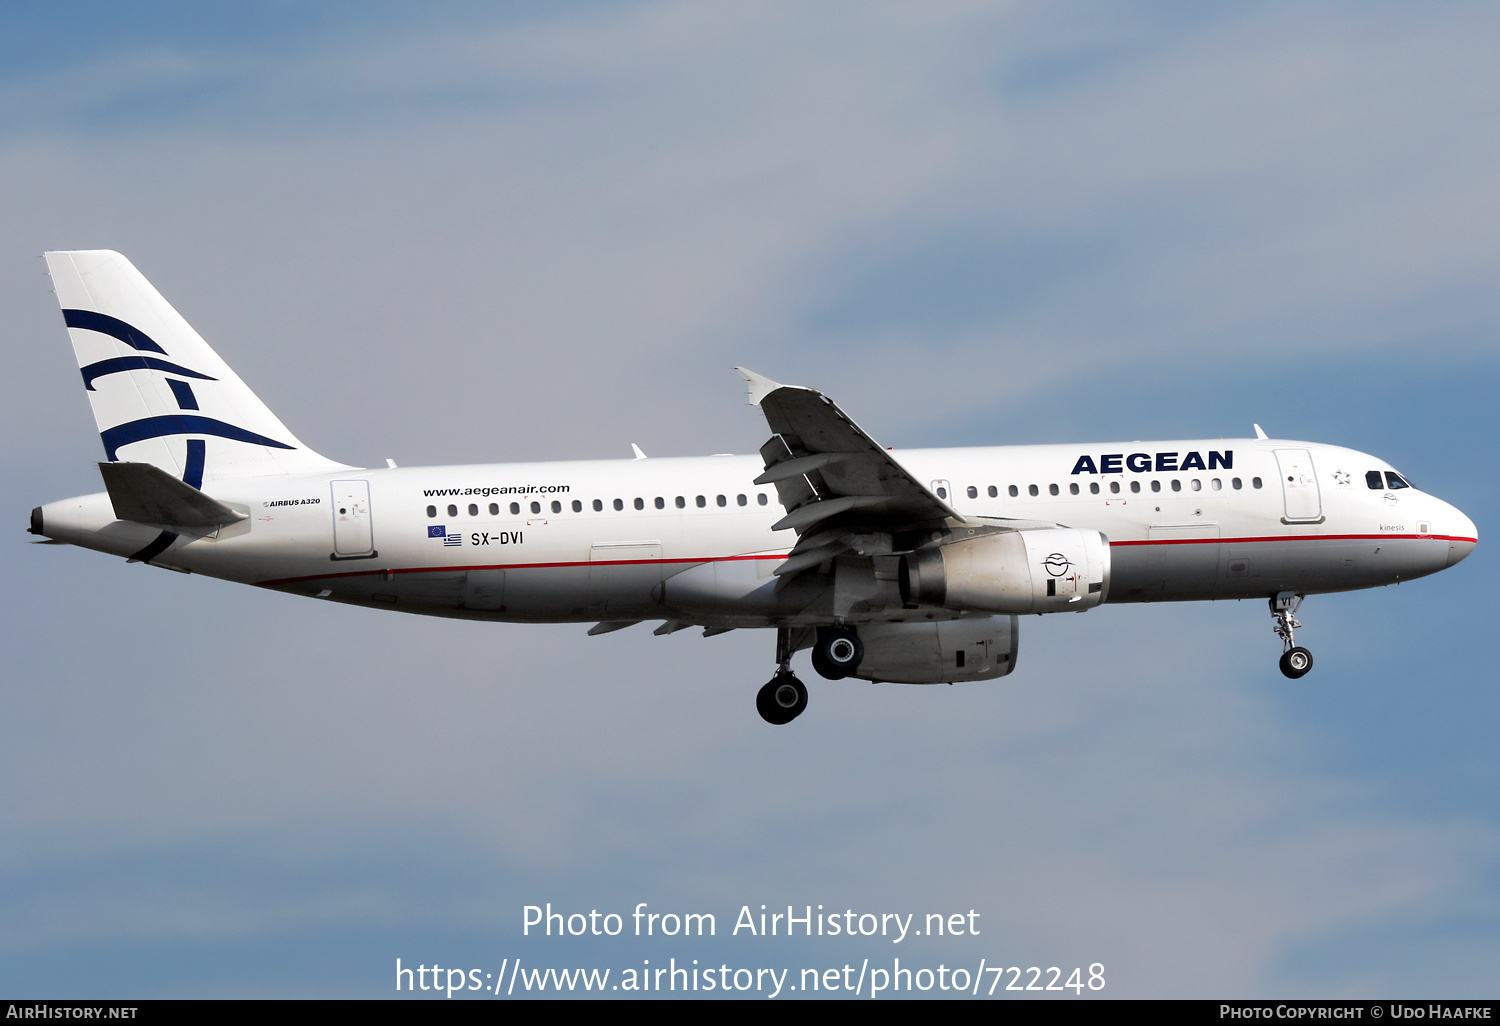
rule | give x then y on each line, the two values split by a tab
1299	486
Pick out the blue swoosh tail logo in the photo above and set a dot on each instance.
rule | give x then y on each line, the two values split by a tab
129	363
112	326
179	424
192	474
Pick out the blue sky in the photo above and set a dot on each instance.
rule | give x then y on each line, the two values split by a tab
479	233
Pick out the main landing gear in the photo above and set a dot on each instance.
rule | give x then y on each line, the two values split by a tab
1295	660
836	653
784	697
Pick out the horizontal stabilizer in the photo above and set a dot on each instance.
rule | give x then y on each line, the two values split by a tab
149	495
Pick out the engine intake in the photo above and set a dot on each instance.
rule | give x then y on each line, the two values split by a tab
1049	570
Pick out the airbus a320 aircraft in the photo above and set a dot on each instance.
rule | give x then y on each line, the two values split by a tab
909	567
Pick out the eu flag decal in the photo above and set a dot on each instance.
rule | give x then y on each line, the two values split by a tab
437	531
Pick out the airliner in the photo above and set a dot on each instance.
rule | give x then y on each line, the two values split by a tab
909	566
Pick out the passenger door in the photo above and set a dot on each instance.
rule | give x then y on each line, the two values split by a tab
1299	486
353	535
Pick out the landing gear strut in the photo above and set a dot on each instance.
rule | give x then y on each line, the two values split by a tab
784	697
1295	660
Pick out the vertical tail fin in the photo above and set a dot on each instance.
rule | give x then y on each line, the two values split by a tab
160	394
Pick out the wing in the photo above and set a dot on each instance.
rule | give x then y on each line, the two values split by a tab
838	486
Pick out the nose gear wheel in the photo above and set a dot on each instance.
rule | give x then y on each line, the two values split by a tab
1295	660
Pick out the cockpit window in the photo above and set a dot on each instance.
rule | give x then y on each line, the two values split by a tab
1373	479
1393	480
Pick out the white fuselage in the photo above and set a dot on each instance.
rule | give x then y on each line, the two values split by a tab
603	540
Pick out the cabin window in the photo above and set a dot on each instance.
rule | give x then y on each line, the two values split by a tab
1236	483
1073	488
1394	480
1196	485
1374	480
972	492
1093	487
661	503
1155	486
1032	490
598	505
640	503
577	506
1052	489
760	497
1014	491
681	502
619	504
556	506
515	508
453	511
473	510
1114	488
993	491
1217	484
536	507
432	512
701	501
740	498
1176	485
720	500
1255	482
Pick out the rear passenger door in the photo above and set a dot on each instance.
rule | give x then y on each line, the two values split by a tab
353	535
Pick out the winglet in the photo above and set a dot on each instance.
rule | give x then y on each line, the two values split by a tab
758	386
1258	432
637	450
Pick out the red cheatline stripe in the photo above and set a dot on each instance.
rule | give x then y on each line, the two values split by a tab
1215	540
731	559
512	566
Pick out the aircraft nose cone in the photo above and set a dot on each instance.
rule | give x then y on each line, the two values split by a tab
1463	537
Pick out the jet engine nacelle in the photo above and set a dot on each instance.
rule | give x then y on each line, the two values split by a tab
939	652
1047	570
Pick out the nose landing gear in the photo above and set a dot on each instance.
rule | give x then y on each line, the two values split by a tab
784	697
1295	660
